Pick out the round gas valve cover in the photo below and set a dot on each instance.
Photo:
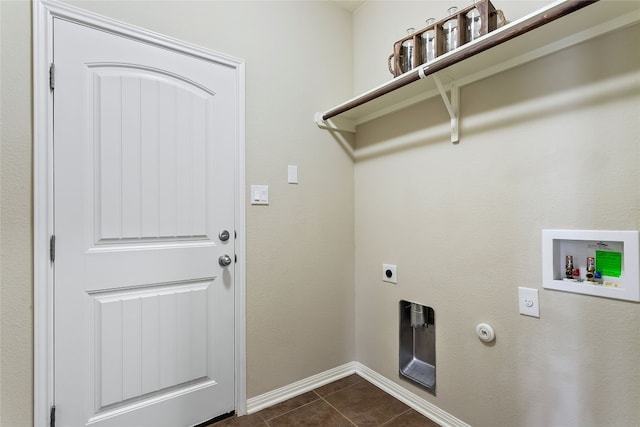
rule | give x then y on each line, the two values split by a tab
485	332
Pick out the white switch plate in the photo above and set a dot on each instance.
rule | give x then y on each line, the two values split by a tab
292	174
528	302
389	273
259	194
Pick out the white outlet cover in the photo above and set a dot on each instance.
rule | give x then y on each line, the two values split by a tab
528	302
393	275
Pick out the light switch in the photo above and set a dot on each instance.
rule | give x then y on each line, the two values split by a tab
292	174
259	194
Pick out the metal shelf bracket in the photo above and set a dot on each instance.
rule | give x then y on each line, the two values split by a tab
452	105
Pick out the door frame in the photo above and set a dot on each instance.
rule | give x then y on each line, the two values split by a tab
44	11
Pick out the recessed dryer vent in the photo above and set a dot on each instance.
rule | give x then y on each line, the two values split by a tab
418	344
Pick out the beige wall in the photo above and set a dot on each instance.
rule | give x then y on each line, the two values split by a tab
300	266
16	287
551	144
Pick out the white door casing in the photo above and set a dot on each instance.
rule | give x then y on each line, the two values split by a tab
145	317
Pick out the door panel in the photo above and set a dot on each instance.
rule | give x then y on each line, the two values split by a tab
149	340
140	115
144	143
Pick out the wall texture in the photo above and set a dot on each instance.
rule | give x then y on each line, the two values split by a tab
300	248
551	144
16	283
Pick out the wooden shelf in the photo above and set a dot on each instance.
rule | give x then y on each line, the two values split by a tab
559	25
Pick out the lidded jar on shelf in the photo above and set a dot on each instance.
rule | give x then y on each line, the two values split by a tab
474	24
450	29
429	42
406	52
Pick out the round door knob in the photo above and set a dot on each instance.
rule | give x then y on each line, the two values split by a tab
224	260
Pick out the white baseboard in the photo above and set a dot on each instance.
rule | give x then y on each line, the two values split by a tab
414	401
281	394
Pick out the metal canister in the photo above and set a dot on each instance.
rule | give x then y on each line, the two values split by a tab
406	52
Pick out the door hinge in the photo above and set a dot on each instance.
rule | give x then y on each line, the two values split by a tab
52	248
52	417
52	76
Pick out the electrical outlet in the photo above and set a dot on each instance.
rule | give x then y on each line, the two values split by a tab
528	302
389	273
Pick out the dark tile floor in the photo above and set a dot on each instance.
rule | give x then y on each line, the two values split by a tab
350	401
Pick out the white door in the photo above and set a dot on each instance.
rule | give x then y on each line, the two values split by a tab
144	141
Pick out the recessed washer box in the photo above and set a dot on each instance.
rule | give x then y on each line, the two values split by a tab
614	255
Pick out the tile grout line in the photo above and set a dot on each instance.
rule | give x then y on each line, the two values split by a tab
319	398
324	398
343	389
353	385
294	409
337	410
338	391
395	417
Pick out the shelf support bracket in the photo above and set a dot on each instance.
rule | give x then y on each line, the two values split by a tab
336	124
453	106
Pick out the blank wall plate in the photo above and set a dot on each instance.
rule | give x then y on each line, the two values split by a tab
292	174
